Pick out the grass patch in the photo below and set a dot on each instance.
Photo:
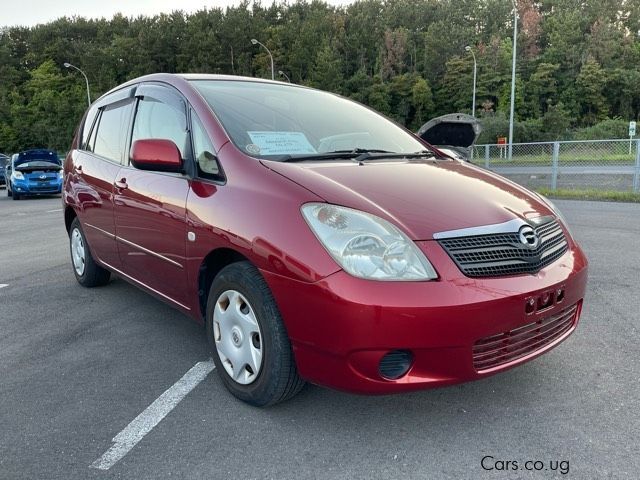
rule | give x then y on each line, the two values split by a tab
578	154
591	194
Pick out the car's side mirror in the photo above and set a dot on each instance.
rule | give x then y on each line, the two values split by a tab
156	154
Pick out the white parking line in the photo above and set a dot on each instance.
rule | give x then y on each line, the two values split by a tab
55	210
152	415
2	285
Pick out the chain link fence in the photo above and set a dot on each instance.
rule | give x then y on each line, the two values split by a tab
612	165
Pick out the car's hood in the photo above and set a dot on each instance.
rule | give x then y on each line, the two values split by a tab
37	156
422	197
453	130
38	165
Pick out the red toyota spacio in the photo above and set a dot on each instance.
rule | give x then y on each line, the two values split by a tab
315	239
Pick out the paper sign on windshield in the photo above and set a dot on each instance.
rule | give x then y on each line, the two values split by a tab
280	143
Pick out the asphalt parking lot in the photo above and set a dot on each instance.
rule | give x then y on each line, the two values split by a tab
77	366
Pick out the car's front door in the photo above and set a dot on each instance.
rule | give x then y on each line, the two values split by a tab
150	206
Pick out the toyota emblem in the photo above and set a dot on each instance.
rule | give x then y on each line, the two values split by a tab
528	237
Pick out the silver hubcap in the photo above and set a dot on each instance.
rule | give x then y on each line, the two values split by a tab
237	337
77	251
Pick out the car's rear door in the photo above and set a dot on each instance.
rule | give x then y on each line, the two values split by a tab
95	165
150	206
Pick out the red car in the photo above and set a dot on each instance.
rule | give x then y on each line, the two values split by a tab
316	240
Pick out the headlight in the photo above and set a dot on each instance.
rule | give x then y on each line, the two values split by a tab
366	246
18	175
60	174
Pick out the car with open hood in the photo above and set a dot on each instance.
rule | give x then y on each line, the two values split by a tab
34	172
315	239
453	134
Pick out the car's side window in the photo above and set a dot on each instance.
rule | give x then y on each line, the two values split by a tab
203	150
86	127
91	141
159	120
111	131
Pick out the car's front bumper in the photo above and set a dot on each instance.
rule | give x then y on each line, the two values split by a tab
29	187
341	326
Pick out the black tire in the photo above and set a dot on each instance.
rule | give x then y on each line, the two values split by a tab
92	275
15	196
278	378
8	191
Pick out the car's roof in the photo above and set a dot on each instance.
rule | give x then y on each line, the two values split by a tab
212	76
176	79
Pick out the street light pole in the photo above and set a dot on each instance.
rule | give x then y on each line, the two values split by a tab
513	77
68	65
282	74
475	69
256	42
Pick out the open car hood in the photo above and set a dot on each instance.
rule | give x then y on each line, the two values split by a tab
453	130
40	156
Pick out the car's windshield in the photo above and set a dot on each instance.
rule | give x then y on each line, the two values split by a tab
272	120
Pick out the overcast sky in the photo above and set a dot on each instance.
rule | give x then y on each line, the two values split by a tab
32	12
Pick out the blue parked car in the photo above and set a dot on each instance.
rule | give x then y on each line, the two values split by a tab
4	159
34	172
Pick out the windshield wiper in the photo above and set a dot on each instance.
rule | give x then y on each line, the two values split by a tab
358	155
373	155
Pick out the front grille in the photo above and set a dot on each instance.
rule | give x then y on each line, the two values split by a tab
501	254
506	347
41	180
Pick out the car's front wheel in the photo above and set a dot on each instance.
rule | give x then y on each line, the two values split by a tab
87	271
251	348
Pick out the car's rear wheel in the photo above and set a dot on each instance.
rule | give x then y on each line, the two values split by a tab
87	271
251	348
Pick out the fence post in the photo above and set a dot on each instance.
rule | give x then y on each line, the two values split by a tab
486	157
554	167
636	173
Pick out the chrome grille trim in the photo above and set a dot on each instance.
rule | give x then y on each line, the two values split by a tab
497	252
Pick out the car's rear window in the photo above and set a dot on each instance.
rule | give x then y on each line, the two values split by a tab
267	120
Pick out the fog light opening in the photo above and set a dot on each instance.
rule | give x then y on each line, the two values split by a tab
395	364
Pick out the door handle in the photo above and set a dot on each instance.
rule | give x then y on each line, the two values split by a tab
121	184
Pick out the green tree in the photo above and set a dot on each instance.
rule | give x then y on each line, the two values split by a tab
422	102
590	92
379	98
456	88
326	72
542	88
576	60
555	122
